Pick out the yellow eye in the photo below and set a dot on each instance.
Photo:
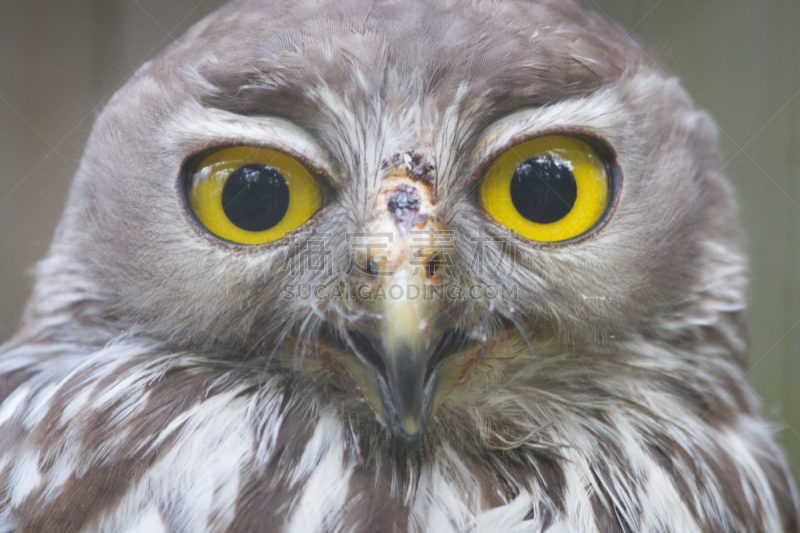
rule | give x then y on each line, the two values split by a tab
547	189
252	195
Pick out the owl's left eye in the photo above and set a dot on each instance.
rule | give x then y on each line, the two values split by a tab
252	195
548	189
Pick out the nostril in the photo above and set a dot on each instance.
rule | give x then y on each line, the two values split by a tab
433	265
371	268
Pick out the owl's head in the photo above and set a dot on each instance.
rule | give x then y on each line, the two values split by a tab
396	200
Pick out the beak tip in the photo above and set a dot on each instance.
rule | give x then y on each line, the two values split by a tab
411	425
408	440
407	428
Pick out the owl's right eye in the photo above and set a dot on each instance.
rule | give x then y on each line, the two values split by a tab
251	195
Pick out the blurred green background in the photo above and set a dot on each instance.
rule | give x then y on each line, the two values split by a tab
60	60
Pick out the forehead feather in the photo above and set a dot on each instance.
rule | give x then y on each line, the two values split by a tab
260	56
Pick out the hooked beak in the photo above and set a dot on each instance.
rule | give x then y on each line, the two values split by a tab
404	381
400	348
409	338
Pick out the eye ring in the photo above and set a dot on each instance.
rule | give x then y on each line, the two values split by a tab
516	188
248	196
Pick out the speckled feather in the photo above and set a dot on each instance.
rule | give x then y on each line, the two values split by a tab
160	383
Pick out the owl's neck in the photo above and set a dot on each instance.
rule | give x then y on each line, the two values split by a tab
574	440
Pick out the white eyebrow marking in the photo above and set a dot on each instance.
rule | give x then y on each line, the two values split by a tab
196	128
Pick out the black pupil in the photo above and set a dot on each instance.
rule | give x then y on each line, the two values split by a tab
255	197
543	189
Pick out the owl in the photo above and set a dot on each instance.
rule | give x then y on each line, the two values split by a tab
390	266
